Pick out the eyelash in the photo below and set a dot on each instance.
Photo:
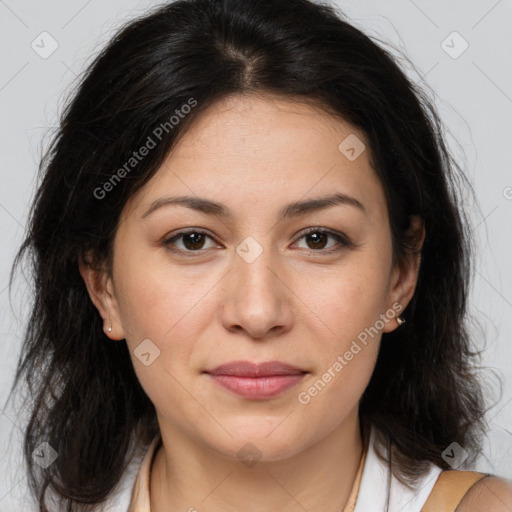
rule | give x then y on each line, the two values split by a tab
343	241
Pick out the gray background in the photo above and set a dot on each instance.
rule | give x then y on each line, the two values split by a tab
472	91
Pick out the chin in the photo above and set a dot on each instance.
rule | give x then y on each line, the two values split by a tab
258	441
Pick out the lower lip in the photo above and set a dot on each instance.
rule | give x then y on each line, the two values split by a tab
258	387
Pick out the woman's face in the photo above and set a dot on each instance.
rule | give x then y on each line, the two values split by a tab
251	284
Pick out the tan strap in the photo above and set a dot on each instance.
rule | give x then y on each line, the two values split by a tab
351	502
449	489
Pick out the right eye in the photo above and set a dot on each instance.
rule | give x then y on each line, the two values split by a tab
192	240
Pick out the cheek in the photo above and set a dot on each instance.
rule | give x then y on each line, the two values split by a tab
349	348
345	354
170	310
156	303
351	300
347	326
167	312
333	396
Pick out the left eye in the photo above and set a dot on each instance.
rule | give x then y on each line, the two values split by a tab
319	237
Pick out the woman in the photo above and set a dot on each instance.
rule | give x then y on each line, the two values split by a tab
251	277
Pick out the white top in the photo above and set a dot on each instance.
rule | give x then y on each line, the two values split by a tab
374	482
371	497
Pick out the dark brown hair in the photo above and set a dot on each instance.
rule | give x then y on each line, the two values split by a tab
86	400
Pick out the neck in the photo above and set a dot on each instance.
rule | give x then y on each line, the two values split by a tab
190	477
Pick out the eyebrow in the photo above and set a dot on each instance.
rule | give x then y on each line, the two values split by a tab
295	209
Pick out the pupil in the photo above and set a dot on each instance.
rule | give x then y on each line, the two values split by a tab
192	237
317	235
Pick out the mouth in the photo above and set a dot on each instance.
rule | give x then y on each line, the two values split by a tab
256	381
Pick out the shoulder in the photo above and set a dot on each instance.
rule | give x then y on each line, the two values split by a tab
491	493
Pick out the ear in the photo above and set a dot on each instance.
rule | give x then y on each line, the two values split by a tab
101	291
405	273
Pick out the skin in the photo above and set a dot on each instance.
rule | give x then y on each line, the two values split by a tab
491	494
296	303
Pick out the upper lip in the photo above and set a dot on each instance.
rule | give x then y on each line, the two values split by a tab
249	369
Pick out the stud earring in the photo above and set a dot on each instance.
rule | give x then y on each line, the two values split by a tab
400	321
110	328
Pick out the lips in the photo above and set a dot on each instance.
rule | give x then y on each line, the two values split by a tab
248	369
256	381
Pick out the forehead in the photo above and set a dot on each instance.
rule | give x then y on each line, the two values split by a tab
267	151
266	128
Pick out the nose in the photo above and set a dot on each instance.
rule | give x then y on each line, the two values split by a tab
258	299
